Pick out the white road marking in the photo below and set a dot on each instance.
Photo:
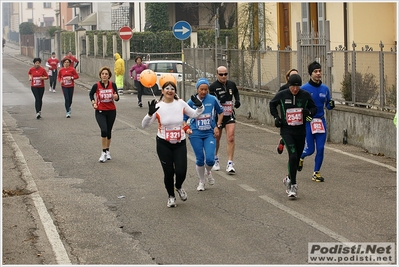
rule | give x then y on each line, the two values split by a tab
59	250
306	220
247	187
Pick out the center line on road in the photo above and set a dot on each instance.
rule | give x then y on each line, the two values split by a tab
306	220
247	187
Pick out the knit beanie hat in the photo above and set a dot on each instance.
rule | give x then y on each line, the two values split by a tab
312	66
201	81
295	80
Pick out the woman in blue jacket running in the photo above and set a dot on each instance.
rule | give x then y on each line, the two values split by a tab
203	132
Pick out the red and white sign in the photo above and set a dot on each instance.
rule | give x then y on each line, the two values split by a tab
125	33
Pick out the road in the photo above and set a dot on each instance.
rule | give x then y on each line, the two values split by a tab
80	211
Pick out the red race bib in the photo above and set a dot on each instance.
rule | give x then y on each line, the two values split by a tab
317	126
294	116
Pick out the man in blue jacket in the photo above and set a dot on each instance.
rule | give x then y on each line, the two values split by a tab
316	130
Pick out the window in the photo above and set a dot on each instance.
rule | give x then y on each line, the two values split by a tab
30	20
313	17
47	5
30	5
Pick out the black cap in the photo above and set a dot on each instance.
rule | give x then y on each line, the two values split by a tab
313	66
295	80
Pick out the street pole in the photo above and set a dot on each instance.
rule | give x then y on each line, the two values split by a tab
216	37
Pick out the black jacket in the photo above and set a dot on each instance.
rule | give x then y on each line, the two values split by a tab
286	100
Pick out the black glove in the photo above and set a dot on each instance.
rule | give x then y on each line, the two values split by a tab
278	122
332	104
151	107
237	104
306	114
196	101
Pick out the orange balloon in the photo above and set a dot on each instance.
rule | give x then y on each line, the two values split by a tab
167	78
148	78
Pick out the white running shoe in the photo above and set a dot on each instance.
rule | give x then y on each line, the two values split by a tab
201	187
230	168
210	178
216	166
182	194
53	90
103	157
50	89
108	155
287	183
293	191
68	114
171	202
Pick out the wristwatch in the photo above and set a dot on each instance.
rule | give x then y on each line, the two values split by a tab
220	126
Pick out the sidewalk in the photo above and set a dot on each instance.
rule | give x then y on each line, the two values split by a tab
84	80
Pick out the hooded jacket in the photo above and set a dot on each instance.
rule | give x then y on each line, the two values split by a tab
119	67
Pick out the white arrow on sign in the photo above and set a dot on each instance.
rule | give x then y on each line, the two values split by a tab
183	30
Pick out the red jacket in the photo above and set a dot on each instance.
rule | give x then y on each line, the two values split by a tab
37	74
66	77
105	96
73	59
52	63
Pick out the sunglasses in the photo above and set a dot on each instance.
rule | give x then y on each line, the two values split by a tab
169	87
223	74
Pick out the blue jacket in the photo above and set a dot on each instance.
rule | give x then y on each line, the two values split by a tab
205	123
321	96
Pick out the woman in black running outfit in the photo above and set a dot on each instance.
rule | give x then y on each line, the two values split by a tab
296	106
103	95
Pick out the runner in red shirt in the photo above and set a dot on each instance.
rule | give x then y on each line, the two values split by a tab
103	95
74	60
37	74
66	77
53	64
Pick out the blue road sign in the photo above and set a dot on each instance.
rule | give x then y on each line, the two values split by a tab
182	30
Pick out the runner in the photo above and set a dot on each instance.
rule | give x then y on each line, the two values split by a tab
203	132
171	136
296	106
37	74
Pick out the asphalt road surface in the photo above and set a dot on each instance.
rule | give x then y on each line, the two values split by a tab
74	210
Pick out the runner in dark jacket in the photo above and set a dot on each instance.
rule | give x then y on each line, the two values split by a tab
296	106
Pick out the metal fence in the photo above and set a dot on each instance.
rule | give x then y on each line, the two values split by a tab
373	85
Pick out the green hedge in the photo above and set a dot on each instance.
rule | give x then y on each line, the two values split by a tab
149	42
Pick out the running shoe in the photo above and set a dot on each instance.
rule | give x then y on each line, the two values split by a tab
293	193
54	90
68	114
50	89
280	147
230	168
209	178
216	166
140	104
182	194
317	177
103	157
201	187
120	92
287	183
171	202
38	115
108	155
300	165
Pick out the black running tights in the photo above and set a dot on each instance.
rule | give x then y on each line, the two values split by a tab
294	145
173	158
105	119
38	94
